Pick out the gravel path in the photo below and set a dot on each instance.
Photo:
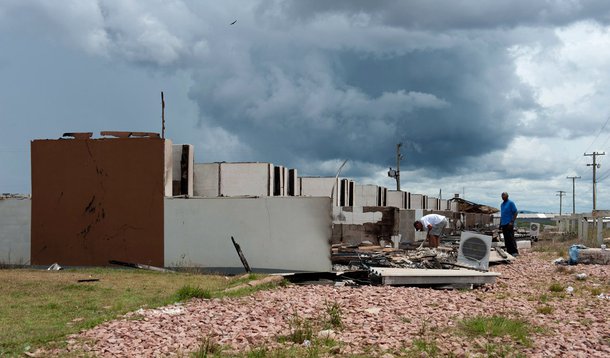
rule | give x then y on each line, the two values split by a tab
381	321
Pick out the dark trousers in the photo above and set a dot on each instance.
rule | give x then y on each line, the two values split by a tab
509	239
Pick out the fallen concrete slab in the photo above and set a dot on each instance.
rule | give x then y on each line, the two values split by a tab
594	256
429	277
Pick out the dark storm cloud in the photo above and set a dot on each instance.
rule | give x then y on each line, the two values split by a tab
460	14
356	102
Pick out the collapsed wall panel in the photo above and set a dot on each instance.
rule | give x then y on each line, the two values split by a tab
98	200
279	234
15	219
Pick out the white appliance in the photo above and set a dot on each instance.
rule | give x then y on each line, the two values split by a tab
534	230
474	250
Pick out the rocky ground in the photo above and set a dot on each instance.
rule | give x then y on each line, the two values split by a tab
384	321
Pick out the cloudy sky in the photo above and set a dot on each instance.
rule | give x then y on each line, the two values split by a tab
486	96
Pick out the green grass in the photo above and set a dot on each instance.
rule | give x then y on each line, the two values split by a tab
544	309
333	316
187	292
40	308
556	287
497	326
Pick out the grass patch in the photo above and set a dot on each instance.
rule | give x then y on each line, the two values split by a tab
301	330
556	287
544	309
333	316
187	292
423	347
208	348
595	291
40	308
497	326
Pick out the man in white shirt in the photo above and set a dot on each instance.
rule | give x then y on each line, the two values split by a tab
434	224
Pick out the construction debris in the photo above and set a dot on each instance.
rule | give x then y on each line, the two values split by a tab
241	255
139	266
55	267
459	262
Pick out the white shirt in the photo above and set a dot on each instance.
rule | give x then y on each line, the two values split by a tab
431	219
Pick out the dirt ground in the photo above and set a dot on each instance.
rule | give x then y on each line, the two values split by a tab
385	321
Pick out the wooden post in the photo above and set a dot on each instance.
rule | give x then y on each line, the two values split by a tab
162	116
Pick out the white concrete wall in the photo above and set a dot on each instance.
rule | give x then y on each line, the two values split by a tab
15	221
356	216
396	199
365	195
320	186
282	234
433	204
206	180
251	179
417	201
233	179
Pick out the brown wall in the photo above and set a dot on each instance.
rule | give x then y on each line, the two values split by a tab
95	200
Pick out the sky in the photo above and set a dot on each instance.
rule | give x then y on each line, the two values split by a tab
485	96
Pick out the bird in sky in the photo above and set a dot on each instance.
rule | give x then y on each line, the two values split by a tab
233	23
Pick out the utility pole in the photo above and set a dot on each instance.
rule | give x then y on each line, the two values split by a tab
595	166
561	194
396	173
573	193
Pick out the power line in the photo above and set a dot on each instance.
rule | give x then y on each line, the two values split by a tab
576	161
598	133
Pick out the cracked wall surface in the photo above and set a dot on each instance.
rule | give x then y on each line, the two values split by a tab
95	200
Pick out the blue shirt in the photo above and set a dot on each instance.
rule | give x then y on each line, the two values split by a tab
508	209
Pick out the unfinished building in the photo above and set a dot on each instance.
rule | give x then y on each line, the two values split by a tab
136	197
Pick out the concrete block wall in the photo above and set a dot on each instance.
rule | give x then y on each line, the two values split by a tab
235	179
206	180
353	225
433	204
320	186
397	199
367	195
15	221
417	201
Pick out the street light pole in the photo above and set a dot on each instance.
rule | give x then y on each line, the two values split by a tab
396	173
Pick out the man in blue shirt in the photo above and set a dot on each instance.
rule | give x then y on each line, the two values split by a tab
508	215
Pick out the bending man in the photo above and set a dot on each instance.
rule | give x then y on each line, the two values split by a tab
434	224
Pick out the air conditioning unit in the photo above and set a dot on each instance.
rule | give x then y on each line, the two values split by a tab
534	231
474	250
